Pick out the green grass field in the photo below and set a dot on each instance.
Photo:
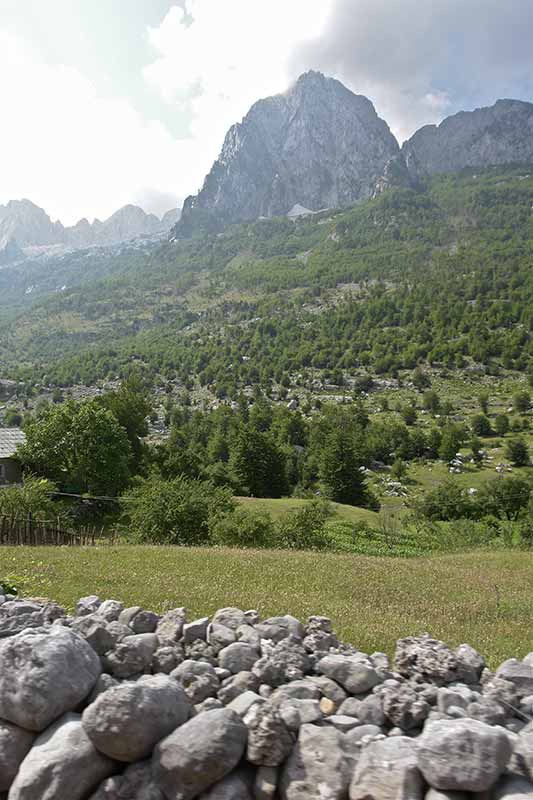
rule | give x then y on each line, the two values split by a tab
483	598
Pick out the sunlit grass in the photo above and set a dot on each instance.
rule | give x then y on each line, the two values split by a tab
483	598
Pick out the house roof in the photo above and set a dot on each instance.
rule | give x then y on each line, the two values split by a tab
9	439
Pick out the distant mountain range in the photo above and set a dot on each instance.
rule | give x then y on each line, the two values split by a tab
319	145
316	146
24	227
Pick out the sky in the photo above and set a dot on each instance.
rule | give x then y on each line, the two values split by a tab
108	102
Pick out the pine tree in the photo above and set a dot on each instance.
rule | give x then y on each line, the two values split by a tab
340	470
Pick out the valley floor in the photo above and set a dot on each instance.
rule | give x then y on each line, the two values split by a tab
483	598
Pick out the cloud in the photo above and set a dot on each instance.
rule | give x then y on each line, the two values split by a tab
215	59
69	149
420	60
156	201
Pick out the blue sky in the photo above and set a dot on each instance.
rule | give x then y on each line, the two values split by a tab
107	102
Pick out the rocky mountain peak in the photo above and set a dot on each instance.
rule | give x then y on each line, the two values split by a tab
25	225
498	134
317	145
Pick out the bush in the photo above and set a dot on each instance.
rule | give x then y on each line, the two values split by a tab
449	501
33	497
501	424
244	529
180	511
504	497
522	402
481	425
305	529
517	452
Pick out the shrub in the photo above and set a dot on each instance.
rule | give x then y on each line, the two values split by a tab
449	501
501	424
179	511
504	497
244	529
33	497
517	452
305	529
522	402
481	425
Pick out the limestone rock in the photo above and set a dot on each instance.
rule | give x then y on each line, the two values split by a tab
318	146
317	768
199	753
238	657
43	673
462	755
499	134
269	740
63	763
135	783
127	721
15	743
131	656
197	679
170	626
387	770
425	657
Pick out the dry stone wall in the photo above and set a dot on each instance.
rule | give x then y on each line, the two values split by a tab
118	703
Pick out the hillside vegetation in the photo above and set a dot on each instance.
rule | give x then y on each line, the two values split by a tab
441	274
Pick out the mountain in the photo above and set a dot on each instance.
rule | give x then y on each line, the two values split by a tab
26	225
9	251
318	146
499	134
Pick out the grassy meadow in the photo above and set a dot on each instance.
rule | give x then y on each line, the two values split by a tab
483	598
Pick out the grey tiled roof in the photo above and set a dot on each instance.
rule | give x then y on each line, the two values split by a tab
9	439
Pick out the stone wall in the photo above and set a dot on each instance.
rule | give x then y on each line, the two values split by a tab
119	703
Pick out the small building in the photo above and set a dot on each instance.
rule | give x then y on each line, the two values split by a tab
10	466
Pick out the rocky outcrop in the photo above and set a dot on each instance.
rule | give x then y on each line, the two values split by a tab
316	146
9	251
251	710
499	134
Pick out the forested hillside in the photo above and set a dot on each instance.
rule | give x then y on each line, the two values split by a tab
441	274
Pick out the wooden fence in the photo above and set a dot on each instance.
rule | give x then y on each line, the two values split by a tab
30	531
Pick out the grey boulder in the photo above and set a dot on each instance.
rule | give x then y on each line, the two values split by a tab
236	786
425	657
94	630
15	743
269	739
317	768
462	755
199	753
387	770
353	675
43	673
231	618
135	783
131	656
170	626
197	679
520	674
110	610
63	763
127	721
238	657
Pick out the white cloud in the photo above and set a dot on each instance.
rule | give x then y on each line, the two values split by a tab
231	54
77	153
69	150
